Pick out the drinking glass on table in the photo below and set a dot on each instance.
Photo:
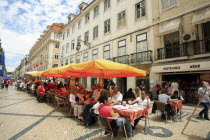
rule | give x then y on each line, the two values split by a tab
129	102
124	103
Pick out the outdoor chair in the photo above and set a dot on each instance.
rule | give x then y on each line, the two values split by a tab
161	106
59	102
106	126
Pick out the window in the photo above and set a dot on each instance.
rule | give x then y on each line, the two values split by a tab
85	57
55	65
140	9
73	28
63	35
72	45
95	32
79	40
95	54
121	19
61	63
84	82
71	60
106	4
107	26
87	18
141	42
172	38
63	49
67	32
79	24
77	59
58	36
67	47
66	62
121	47
96	12
56	55
57	45
106	52
86	37
168	3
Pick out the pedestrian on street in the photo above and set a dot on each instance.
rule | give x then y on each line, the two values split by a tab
6	83
204	97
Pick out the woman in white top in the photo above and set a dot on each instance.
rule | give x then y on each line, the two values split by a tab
142	101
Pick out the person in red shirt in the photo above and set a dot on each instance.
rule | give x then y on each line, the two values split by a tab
41	90
6	83
105	109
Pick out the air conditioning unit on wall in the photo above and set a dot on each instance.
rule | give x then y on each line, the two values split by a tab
187	37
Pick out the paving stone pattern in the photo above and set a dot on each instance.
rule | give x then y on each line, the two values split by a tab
23	118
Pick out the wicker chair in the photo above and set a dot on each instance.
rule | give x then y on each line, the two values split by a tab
161	106
59	102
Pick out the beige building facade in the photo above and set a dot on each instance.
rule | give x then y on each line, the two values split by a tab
117	30
182	44
45	52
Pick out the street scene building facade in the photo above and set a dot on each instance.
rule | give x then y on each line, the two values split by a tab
44	54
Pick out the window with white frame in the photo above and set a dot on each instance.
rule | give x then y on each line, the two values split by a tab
71	60
107	26
168	4
87	18
66	62
95	32
79	23
67	48
121	19
63	35
79	40
140	9
57	45
73	28
58	36
107	52
96	12
122	48
95	54
72	45
56	55
106	4
68	33
85	57
86	39
77	59
63	48
141	42
61	63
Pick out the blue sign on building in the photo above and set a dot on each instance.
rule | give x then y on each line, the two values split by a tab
2	61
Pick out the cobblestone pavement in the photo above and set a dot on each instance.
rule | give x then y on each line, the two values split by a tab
21	117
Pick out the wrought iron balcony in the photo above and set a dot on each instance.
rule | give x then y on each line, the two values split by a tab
139	57
122	59
172	51
202	46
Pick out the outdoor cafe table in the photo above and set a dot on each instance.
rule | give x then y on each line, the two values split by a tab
131	114
175	105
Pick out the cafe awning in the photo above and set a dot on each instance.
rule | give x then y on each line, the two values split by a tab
168	27
201	16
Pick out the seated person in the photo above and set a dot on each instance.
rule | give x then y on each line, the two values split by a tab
165	98
177	96
129	94
117	96
142	101
96	92
137	92
49	86
41	90
81	92
73	98
62	88
105	110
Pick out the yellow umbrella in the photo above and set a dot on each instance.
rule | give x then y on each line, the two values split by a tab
109	69
39	73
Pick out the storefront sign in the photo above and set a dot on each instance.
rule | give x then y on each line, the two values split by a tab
182	67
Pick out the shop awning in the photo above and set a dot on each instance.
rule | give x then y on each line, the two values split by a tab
201	16
168	27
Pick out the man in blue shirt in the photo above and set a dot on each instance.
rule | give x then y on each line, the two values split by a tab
204	97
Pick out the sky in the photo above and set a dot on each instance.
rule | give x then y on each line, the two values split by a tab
23	21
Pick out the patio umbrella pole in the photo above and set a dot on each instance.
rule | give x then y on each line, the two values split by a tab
191	115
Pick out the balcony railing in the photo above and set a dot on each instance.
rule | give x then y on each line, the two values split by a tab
202	46
172	51
141	57
122	59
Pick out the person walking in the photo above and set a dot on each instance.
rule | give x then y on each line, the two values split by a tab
204	97
6	83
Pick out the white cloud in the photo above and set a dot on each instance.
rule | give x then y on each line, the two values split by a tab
22	22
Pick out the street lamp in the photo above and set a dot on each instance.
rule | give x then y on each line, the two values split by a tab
79	44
